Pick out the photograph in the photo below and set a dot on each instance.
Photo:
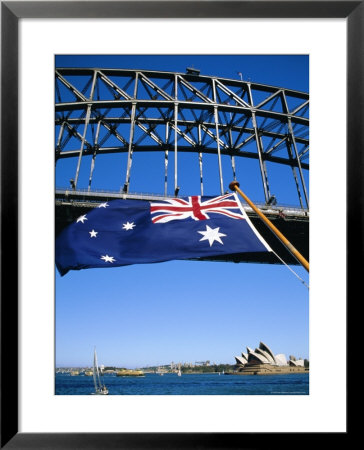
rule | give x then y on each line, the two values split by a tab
181	224
161	208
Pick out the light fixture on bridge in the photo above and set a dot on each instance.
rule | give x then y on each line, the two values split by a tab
72	183
272	200
176	191
125	188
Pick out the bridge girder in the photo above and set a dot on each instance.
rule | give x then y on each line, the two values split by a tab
180	112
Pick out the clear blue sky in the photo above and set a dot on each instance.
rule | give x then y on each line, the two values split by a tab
184	311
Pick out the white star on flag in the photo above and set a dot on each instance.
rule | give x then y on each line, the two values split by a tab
128	226
103	205
212	235
108	258
82	218
93	233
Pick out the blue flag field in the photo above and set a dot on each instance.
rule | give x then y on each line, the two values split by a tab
123	232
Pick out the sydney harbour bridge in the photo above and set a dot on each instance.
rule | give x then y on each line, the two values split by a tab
101	114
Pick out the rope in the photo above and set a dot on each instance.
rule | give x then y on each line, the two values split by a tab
283	262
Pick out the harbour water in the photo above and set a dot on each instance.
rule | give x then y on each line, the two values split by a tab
187	384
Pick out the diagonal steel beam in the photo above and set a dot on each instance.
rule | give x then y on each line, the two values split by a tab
194	90
300	107
232	94
154	86
69	86
116	88
264	102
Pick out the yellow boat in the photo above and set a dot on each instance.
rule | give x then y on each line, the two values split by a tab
130	373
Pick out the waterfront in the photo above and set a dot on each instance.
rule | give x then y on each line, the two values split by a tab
187	384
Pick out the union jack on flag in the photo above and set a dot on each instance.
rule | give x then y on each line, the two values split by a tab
193	207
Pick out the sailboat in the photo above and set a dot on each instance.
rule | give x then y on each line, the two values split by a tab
100	388
179	373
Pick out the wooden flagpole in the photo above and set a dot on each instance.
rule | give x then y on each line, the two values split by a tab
234	186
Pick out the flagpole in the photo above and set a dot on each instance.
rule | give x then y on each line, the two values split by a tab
234	186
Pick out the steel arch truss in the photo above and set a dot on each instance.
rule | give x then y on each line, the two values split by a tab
101	111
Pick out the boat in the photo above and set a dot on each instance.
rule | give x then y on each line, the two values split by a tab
130	373
100	388
179	372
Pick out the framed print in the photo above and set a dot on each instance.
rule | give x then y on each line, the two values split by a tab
34	37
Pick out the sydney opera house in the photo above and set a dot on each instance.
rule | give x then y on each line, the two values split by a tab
262	361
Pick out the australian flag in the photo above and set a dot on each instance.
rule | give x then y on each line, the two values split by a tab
123	232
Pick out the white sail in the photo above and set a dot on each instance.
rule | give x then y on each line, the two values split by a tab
100	388
97	372
94	370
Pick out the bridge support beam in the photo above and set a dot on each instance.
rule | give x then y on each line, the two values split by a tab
263	169
175	149
131	136
96	141
262	165
59	140
87	120
216	114
290	128
166	161
200	157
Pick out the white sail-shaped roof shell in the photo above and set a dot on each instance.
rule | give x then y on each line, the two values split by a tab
240	360
256	356
281	360
297	363
265	354
300	362
265	348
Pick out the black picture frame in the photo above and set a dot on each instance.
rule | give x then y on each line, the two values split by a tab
11	13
